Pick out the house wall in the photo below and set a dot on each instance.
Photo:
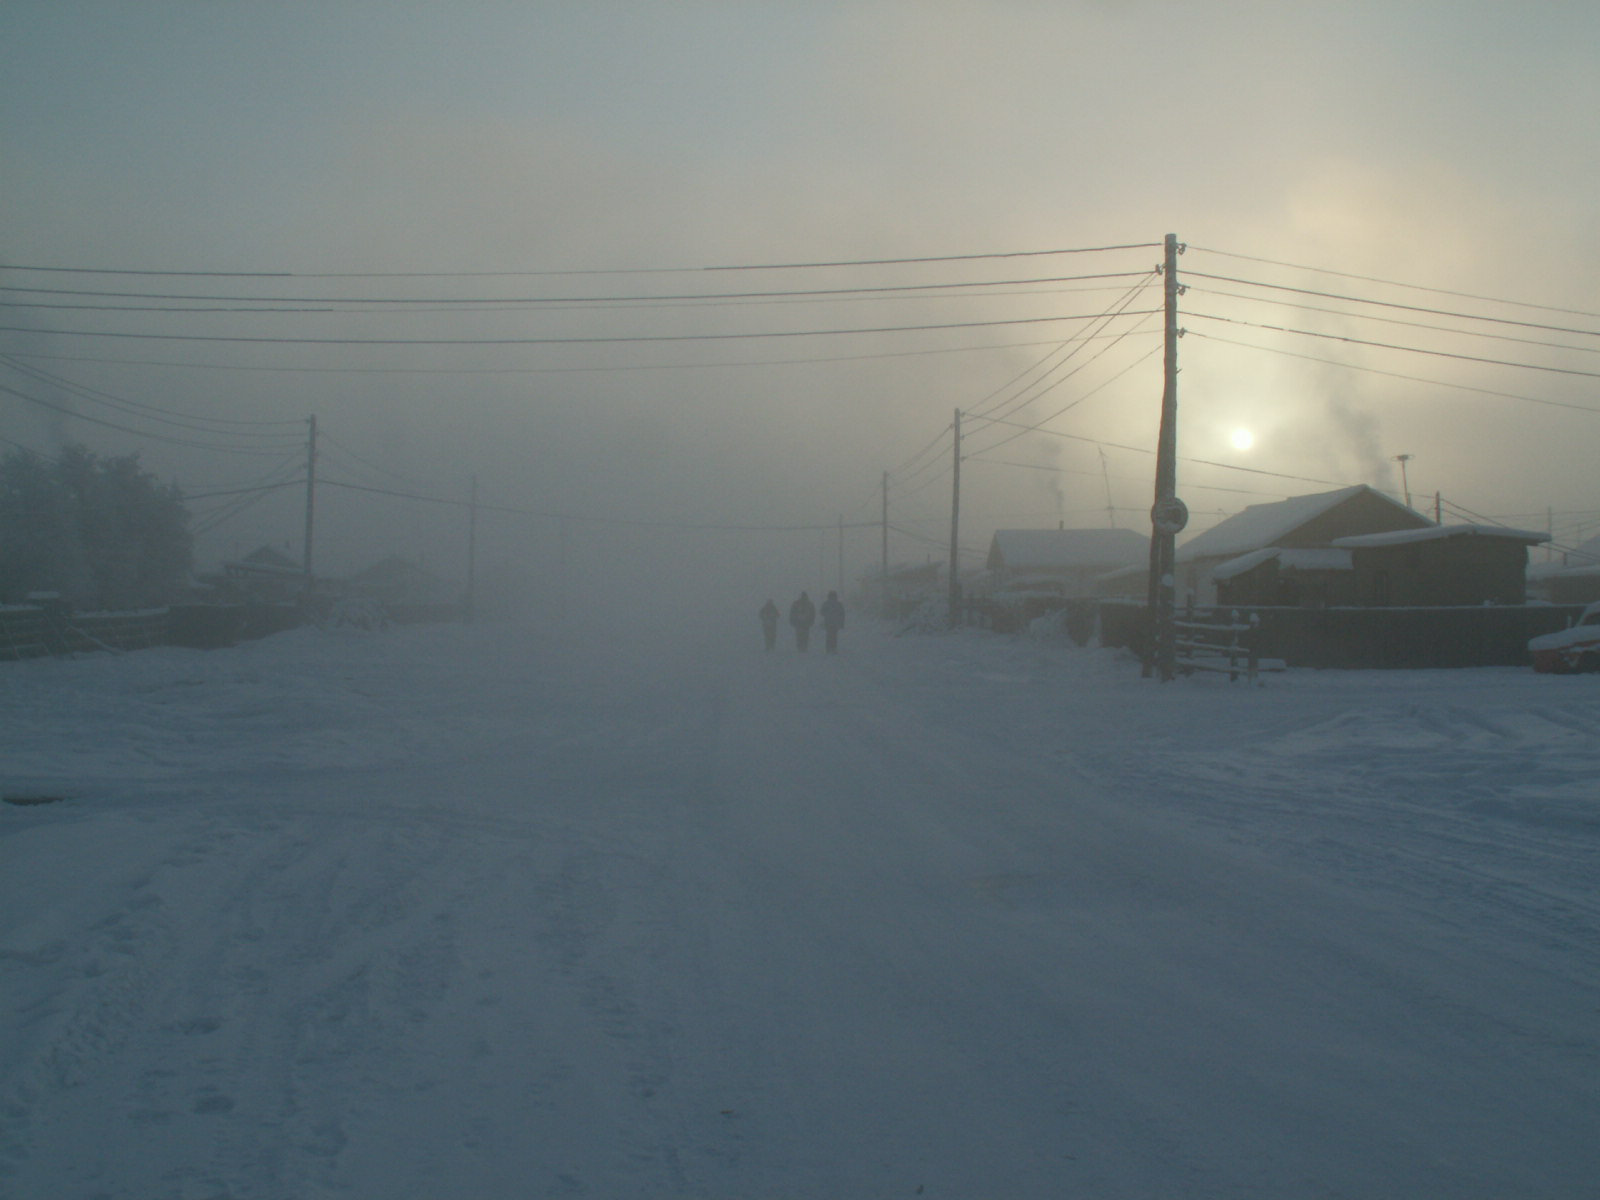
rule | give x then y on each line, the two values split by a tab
1269	584
1458	570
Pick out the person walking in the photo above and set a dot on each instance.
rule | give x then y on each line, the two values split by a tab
832	620
802	615
769	624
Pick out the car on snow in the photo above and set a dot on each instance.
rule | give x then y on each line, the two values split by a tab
1570	650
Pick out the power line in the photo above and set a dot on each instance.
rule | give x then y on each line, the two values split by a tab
1334	337
553	341
1394	374
164	416
578	301
1436	312
591	518
1204	462
1199	487
621	367
1336	312
174	441
1577	312
1060	411
868	262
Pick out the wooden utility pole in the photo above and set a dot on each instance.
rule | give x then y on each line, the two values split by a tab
1168	515
469	608
841	553
955	528
311	496
883	529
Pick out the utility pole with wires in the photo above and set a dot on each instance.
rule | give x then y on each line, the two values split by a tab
469	607
841	553
1168	515
311	497
884	530
955	527
1105	475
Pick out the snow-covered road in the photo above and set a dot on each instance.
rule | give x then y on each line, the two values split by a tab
455	912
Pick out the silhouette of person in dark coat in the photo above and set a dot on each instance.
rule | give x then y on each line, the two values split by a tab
832	620
802	615
769	623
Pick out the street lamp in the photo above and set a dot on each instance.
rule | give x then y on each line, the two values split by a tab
1405	484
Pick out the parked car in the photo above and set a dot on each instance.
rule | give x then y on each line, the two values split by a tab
1570	650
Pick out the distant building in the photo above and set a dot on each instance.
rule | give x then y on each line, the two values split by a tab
1574	579
1064	560
905	587
266	575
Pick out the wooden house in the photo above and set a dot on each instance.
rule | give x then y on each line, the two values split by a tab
1301	523
1441	565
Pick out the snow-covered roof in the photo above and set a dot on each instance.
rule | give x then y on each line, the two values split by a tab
1033	549
1434	533
1262	525
1288	560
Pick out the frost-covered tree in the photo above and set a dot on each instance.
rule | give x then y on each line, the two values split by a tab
101	531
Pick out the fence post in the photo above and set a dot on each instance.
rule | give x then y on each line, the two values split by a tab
1252	637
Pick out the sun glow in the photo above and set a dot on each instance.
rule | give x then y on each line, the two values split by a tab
1242	439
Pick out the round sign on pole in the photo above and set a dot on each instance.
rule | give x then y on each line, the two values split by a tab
1169	515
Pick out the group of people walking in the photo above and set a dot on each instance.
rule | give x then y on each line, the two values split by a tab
802	616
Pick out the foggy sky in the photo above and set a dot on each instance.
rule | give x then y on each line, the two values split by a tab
1451	145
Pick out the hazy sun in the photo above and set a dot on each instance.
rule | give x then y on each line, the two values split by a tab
1243	439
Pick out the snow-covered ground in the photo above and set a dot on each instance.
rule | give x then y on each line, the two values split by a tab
474	912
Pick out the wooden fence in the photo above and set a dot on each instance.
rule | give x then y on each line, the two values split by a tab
1371	638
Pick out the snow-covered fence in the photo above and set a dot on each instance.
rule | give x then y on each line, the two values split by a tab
1228	645
114	630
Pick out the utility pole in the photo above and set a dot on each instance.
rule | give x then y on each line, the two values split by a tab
1105	475
841	553
561	571
1168	515
311	497
469	609
955	527
883	529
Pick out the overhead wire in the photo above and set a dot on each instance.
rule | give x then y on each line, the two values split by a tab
1336	312
1578	312
1460	387
809	360
613	339
257	451
1334	337
576	301
594	518
588	271
225	426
